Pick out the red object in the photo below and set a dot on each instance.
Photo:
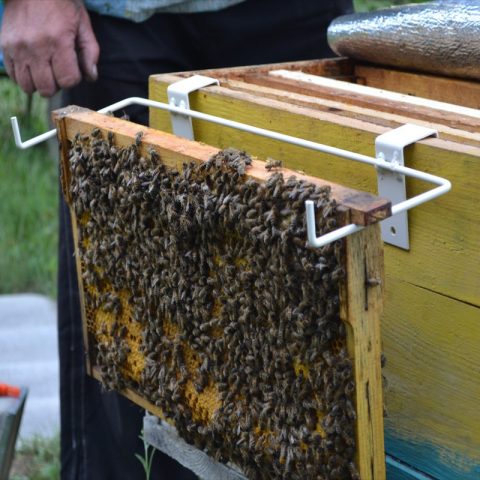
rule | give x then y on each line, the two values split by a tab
9	391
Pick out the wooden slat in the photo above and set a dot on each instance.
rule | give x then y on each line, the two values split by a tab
340	68
353	94
361	307
370	115
433	380
364	208
442	89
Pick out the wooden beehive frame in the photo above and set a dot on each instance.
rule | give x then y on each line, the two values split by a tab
361	293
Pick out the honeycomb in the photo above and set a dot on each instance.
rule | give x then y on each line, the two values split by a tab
202	295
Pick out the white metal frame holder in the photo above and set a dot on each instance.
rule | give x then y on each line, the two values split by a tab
391	184
178	96
442	185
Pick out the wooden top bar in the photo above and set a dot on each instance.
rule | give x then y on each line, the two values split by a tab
364	208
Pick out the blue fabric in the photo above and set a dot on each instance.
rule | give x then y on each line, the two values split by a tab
140	10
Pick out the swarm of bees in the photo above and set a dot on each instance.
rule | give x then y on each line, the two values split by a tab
205	274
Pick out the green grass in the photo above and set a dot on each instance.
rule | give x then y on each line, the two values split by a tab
37	459
28	200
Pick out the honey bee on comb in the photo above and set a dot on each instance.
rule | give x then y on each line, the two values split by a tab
202	297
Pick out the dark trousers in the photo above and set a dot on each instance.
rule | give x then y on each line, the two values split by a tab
99	430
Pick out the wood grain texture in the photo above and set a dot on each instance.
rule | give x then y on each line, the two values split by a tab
442	266
361	307
433	372
443	89
370	115
381	99
340	68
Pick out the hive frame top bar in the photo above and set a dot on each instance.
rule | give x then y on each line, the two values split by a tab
443	185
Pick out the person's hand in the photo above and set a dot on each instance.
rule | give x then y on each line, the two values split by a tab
48	44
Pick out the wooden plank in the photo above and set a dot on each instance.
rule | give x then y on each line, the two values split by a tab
443	89
454	217
361	307
433	380
364	208
368	97
340	68
360	91
371	115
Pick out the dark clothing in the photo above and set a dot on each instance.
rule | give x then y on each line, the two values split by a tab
99	430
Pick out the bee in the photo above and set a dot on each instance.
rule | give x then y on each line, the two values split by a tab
272	164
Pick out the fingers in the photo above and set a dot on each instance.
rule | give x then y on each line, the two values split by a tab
87	47
43	79
9	67
65	65
24	78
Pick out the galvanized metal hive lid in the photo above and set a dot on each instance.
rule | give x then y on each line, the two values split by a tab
439	37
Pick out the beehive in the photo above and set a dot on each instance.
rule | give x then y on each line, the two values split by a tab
430	324
202	301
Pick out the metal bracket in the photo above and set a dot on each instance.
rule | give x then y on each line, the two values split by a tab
391	184
178	97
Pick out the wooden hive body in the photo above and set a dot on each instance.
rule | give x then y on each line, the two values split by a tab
430	325
359	292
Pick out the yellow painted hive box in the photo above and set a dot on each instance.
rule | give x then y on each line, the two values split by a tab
431	320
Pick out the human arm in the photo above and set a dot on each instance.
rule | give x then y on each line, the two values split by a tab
48	44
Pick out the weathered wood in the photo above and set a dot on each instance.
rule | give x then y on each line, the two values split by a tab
57	118
365	208
443	264
361	307
433	380
340	68
443	89
370	115
369	97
